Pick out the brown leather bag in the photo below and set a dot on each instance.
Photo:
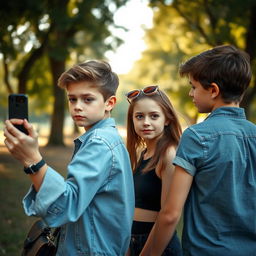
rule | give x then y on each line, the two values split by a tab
41	240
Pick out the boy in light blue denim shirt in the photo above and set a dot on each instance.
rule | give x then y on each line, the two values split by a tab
94	205
215	173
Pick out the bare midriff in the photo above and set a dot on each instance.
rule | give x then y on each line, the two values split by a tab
145	215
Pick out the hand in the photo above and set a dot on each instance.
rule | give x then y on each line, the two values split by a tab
23	147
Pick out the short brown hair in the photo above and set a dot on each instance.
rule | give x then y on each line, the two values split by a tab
95	71
224	65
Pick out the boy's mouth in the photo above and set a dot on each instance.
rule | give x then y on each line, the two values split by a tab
78	117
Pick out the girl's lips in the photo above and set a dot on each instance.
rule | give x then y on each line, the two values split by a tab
146	131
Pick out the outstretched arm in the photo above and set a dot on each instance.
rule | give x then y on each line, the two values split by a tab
24	148
170	213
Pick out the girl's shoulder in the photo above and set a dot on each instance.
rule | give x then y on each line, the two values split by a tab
165	163
169	155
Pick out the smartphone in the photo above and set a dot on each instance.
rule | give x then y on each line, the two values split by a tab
18	108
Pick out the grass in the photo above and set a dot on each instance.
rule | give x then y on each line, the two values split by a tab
14	184
14	224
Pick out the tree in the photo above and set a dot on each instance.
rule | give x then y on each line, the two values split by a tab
18	20
224	22
57	28
191	27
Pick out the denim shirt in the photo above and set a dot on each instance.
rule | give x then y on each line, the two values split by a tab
95	204
220	211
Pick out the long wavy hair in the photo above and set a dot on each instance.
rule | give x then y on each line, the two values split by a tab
171	135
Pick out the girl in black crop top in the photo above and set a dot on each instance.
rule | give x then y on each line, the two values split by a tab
154	130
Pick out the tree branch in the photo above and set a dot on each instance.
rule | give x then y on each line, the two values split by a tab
191	23
6	74
35	55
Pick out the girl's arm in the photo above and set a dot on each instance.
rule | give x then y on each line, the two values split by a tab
170	214
166	176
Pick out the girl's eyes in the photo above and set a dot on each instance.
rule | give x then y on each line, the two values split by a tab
153	116
139	116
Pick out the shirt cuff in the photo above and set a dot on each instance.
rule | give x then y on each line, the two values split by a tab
37	203
185	165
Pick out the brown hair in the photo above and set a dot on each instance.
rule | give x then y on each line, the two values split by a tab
170	137
97	72
224	65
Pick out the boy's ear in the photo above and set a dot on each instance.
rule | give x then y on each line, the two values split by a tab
110	103
215	90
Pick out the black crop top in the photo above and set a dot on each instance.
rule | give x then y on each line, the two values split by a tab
147	188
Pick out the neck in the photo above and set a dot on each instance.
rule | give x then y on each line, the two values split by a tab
220	104
150	150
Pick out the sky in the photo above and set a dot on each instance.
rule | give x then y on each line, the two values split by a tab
135	16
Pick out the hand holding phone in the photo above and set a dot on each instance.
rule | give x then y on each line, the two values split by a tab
18	108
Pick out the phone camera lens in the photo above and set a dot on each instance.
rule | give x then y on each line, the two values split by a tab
20	99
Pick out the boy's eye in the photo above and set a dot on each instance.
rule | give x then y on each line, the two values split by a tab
72	99
88	99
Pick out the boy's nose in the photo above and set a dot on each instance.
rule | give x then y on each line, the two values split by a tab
190	93
78	105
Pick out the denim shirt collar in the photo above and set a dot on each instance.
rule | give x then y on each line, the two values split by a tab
110	122
228	111
102	123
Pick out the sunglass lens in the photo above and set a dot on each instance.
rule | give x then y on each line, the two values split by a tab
150	89
133	94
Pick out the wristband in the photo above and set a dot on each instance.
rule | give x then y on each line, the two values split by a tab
34	168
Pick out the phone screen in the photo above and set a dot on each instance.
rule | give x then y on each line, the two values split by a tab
18	108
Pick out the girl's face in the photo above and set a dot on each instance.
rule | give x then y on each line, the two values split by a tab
148	119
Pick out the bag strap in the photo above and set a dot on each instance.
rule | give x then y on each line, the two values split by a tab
55	234
37	229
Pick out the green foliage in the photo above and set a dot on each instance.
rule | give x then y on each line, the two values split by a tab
191	27
31	31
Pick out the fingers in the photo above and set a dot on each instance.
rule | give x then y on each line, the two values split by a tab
23	147
15	132
16	121
12	135
10	131
29	128
8	145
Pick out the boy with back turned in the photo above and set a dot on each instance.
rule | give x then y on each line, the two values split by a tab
94	205
215	164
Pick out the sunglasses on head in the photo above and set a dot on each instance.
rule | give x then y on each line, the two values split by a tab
149	90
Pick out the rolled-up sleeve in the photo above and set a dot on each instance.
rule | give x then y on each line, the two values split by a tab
190	152
37	203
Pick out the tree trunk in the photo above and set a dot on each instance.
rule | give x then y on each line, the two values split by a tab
57	120
251	50
6	75
33	57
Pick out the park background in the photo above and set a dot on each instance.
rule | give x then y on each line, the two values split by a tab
144	40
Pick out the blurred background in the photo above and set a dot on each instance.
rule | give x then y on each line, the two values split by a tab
145	41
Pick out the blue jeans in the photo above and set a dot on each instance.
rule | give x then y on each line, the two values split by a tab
138	241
